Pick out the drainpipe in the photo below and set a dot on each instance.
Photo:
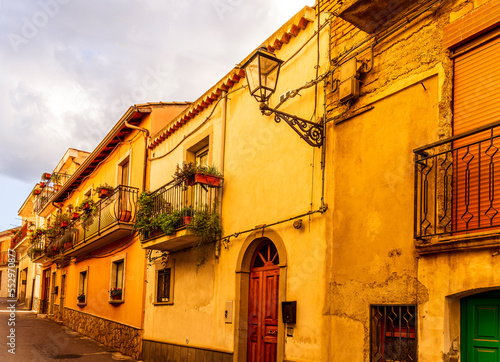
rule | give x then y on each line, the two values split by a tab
222	155
146	136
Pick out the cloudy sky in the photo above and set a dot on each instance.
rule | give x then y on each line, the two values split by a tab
71	68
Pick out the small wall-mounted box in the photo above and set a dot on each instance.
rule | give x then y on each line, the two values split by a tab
348	70
348	78
289	312
349	89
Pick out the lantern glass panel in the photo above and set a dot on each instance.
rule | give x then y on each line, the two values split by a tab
252	75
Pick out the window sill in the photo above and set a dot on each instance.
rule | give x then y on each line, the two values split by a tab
163	303
111	301
81	304
478	240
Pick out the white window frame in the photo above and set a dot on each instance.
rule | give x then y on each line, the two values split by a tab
112	277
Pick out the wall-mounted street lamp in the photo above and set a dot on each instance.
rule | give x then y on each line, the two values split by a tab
262	72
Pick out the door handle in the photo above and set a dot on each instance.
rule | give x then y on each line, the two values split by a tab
272	332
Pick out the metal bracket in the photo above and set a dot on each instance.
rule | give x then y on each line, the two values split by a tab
309	131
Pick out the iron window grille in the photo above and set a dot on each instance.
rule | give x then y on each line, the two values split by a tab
163	292
393	333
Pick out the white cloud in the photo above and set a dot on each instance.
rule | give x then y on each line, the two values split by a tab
72	68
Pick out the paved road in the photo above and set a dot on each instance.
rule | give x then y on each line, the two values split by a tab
37	339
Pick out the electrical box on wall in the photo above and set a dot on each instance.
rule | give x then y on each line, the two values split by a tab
349	89
348	70
289	312
349	82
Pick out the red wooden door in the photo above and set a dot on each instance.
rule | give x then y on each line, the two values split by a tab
263	304
45	291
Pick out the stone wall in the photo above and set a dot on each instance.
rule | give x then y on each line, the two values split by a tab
159	351
125	339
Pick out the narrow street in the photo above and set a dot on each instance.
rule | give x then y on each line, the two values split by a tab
39	339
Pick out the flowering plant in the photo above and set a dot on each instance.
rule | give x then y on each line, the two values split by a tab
115	292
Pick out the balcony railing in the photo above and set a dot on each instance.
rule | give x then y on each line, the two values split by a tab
51	187
185	199
112	218
38	248
118	208
19	236
457	184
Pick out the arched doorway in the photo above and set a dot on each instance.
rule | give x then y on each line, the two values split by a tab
480	327
263	301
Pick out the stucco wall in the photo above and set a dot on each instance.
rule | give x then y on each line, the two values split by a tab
270	174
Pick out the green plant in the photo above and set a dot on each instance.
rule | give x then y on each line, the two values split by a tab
81	298
46	176
145	222
207	225
209	170
168	222
185	173
115	292
55	177
104	190
187	211
86	205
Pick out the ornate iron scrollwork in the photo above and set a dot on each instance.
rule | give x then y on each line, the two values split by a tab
309	131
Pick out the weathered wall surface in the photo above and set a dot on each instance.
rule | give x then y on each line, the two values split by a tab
270	174
371	258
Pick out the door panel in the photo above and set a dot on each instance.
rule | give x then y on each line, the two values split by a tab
485	355
483	329
263	305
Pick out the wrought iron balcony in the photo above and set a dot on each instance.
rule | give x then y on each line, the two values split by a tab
19	236
38	249
187	200
457	184
49	189
112	219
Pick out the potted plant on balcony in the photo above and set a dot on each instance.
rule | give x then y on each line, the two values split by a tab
36	192
169	222
208	175
86	205
88	209
185	173
56	181
145	222
104	190
81	298
206	224
46	176
187	213
116	293
63	220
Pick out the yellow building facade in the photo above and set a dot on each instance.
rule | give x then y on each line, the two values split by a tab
271	203
92	274
412	259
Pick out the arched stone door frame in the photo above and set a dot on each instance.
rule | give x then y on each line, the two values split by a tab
243	286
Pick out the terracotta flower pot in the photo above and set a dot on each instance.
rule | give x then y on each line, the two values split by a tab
103	193
207	179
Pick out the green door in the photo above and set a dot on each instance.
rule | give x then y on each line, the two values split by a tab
481	321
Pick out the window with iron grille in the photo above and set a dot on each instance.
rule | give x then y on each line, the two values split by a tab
393	335
163	292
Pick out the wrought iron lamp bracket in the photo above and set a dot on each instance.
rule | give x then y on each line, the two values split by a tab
309	131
